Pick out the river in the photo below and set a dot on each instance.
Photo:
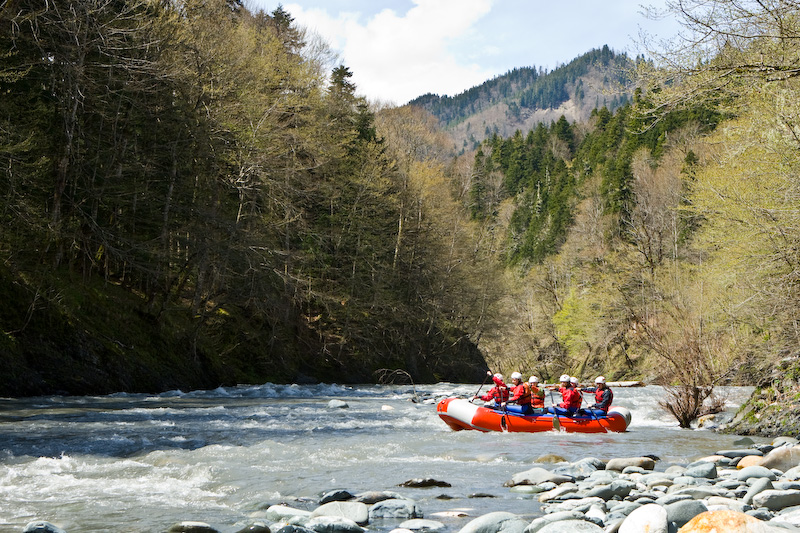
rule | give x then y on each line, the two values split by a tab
140	463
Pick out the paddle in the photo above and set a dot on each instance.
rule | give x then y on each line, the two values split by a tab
556	421
488	373
594	415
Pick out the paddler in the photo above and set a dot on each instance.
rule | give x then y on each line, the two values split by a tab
537	395
602	396
566	407
520	392
498	393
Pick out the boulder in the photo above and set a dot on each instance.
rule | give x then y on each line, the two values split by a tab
755	471
564	488
793	474
191	527
424	483
581	469
759	485
620	463
782	458
619	489
337	404
571	526
293	528
282	513
785	441
739	453
537	475
496	522
727	521
40	526
356	511
333	524
338	495
371	497
395	508
749	460
539	523
680	512
651	518
775	500
550	458
256	527
703	470
420	524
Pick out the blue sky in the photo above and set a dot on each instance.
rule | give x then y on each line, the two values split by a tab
401	49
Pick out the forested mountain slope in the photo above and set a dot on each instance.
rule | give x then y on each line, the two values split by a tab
191	195
525	97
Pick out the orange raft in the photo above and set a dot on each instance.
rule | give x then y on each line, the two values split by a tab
462	414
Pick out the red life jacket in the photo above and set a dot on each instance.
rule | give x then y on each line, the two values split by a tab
522	394
598	398
576	400
566	397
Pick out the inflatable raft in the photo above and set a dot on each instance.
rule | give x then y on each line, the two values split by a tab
462	414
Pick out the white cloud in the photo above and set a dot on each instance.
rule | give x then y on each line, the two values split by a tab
399	56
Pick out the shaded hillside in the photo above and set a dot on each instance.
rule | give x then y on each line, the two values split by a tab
525	97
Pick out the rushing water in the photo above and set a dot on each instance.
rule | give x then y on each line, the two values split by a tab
138	463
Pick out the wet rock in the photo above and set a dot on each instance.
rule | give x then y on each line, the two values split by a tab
356	511
727	521
481	495
785	441
571	526
782	458
496	522
540	522
527	489
256	527
619	464
744	441
651	518
422	483
581	469
371	497
281	513
337	404
395	508
680	512
335	496
419	524
293	528
192	527
755	471
776	499
550	458
333	524
40	526
535	476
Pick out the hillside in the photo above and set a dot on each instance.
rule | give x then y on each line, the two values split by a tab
525	97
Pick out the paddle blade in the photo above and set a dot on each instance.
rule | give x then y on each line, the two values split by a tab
556	422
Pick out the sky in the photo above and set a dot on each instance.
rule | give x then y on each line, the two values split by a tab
400	49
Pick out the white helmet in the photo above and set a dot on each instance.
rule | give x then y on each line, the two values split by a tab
499	376
564	377
533	379
600	379
573	379
516	375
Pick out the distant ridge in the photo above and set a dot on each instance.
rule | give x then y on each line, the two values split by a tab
526	96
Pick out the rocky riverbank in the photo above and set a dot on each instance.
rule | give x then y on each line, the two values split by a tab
754	488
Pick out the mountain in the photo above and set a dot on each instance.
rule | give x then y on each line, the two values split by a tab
527	96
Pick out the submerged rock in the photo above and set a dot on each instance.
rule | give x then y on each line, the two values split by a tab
395	508
40	526
421	483
192	527
356	511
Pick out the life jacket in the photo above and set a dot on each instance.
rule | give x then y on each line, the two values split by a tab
537	397
566	397
522	394
576	399
598	398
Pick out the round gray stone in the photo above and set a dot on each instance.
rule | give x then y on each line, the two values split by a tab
678	513
496	522
651	518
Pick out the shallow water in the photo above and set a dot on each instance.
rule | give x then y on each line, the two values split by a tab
138	463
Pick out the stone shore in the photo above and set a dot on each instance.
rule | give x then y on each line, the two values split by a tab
753	489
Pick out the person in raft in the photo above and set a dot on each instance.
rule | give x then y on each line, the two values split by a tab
498	393
520	393
537	395
602	397
577	397
566	407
